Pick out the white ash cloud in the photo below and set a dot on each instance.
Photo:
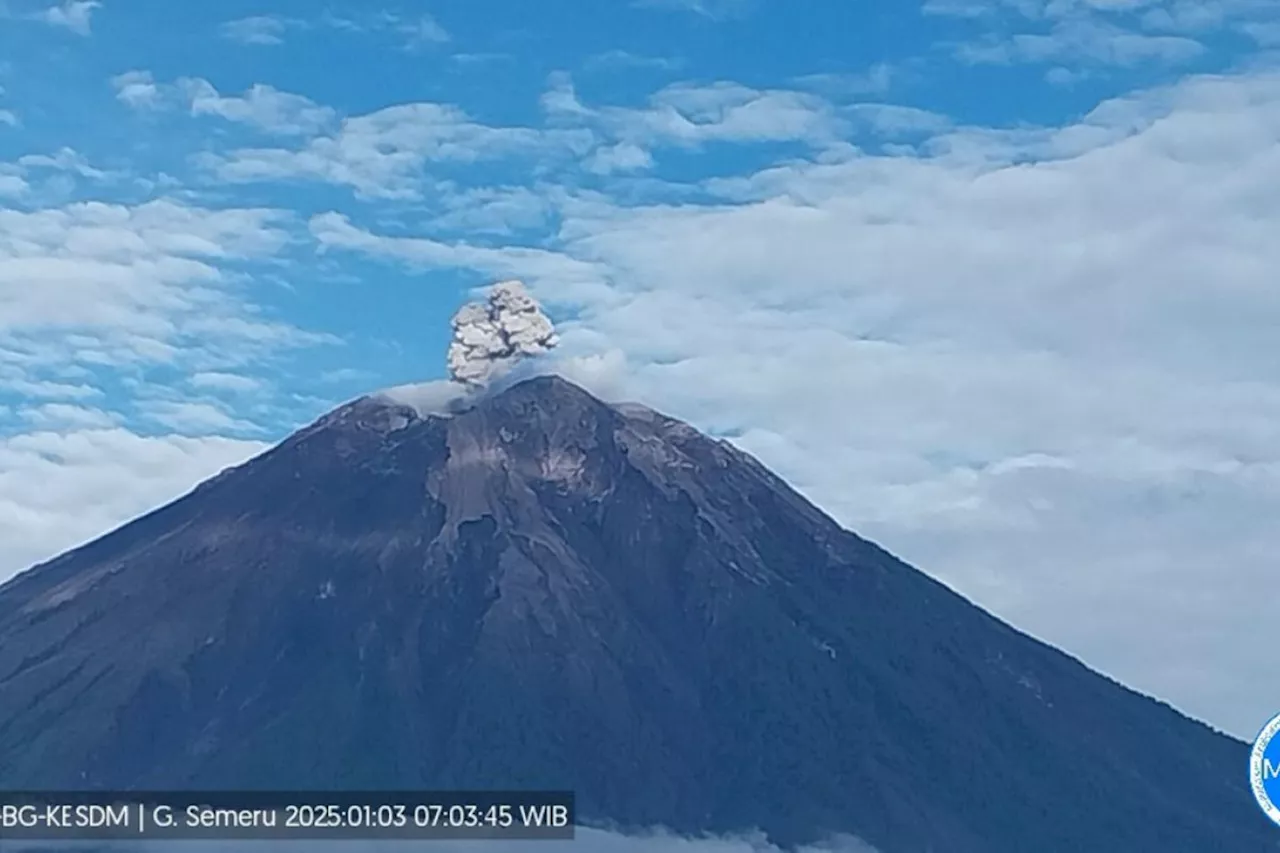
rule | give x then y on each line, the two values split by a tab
491	337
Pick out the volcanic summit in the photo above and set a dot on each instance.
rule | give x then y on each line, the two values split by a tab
541	590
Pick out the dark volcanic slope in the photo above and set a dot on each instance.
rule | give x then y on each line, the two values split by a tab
549	592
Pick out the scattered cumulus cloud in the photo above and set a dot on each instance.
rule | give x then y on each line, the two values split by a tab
236	383
891	120
385	154
262	106
622	157
876	80
413	32
12	183
478	60
95	265
422	31
691	116
555	274
136	89
1083	41
74	15
94	294
492	210
64	415
63	160
189	417
16	381
257	30
389	153
626	60
1119	33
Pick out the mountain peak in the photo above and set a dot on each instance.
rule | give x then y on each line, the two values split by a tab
543	386
535	589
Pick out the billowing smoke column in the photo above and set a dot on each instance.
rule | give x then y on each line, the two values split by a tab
490	337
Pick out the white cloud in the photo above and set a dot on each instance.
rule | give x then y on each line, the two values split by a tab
561	277
1039	363
1039	9
414	33
1107	32
387	154
60	489
127	269
137	89
384	154
890	120
215	380
94	295
9	118
63	160
561	98
74	15
1065	77
492	210
190	417
876	80
692	116
624	59
12	184
623	157
261	106
62	415
256	30
15	381
1084	41
422	31
481	59
729	112
1184	17
960	8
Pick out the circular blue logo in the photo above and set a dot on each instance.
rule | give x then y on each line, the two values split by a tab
1264	769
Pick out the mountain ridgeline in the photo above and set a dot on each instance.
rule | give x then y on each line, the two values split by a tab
545	591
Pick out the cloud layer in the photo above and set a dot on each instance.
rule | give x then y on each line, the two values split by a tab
596	840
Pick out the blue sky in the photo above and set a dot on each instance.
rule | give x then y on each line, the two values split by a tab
993	281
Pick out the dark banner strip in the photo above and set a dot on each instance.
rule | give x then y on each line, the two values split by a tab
268	815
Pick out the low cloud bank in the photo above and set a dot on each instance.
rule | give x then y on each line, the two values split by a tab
593	840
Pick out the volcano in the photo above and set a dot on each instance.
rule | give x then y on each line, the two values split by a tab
546	591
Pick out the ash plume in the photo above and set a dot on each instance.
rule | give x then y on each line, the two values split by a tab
491	337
